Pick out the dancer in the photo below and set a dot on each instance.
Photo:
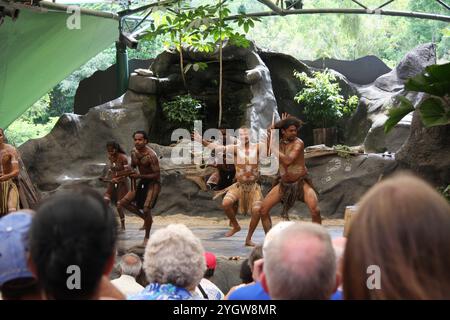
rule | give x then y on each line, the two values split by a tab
294	183
247	189
145	191
117	178
9	171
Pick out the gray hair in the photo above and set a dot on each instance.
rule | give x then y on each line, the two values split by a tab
300	263
131	267
174	255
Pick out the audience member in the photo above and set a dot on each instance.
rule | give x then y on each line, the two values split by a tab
254	290
130	268
206	289
398	246
72	246
174	263
299	263
16	280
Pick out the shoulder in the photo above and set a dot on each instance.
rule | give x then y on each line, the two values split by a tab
243	292
299	142
151	152
10	149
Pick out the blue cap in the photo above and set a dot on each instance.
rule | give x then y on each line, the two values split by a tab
14	232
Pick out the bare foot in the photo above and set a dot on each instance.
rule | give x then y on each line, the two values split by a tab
249	243
233	231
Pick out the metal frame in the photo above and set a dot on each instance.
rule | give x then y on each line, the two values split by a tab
363	9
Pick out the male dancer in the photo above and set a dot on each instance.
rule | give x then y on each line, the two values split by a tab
294	181
145	191
247	189
9	171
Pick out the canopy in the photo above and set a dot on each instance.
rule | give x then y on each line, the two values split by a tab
38	50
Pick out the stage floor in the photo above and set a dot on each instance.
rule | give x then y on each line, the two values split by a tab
211	231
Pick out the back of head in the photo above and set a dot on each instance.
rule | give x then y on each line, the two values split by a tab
130	265
245	273
275	232
174	255
401	228
255	255
300	263
72	234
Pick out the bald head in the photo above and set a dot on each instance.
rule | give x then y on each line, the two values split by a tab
300	263
130	264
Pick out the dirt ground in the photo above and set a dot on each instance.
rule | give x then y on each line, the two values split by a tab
199	221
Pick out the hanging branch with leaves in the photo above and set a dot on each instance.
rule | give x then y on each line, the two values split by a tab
202	28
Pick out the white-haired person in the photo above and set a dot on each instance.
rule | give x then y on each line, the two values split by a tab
174	264
300	263
130	268
255	290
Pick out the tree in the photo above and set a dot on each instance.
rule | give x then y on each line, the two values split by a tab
202	28
324	105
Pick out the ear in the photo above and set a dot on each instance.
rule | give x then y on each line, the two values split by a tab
109	264
257	269
337	282
263	280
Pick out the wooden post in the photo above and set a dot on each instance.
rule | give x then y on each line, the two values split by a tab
350	212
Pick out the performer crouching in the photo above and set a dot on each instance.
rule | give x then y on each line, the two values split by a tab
294	183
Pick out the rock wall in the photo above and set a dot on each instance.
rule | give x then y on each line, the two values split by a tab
366	125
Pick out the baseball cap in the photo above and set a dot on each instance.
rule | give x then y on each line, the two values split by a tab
14	229
211	260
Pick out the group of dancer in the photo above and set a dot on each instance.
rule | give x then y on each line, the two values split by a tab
135	186
244	195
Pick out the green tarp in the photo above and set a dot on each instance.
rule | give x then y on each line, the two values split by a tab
38	50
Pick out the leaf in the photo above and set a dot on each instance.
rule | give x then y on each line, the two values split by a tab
246	27
433	113
195	67
446	32
188	66
396	114
434	80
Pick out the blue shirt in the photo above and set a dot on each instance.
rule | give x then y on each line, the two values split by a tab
156	291
253	291
338	295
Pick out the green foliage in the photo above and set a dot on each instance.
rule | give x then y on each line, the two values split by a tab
324	105
200	27
345	36
343	150
21	130
398	113
435	108
38	113
445	192
35	123
183	111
